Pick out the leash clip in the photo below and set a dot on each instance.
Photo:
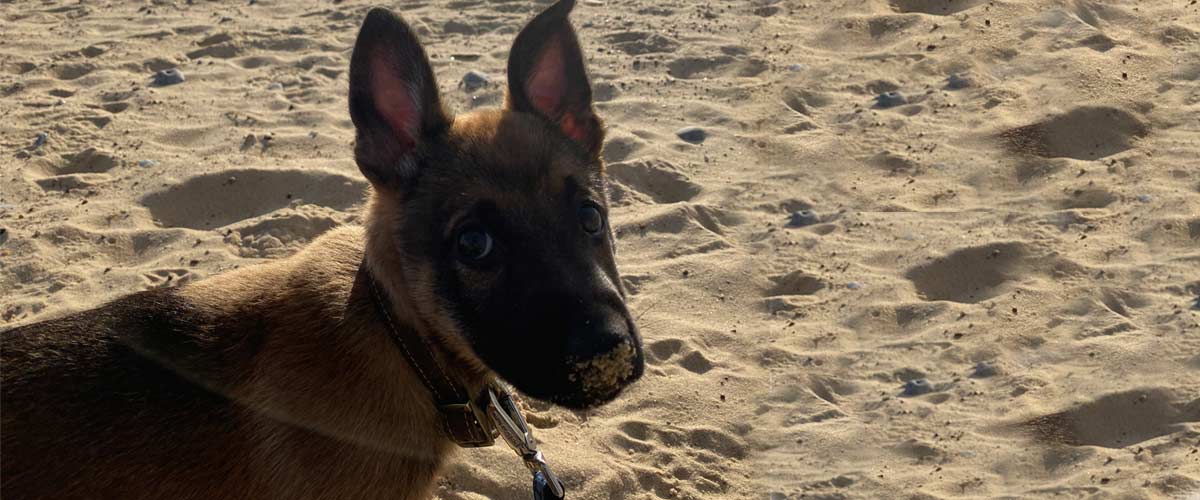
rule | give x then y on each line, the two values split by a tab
512	428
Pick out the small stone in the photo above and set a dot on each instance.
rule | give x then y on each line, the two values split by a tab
984	369
312	135
854	285
917	387
147	163
1144	198
40	139
890	99
474	80
801	218
842	481
795	67
168	77
275	86
694	135
3	235
958	81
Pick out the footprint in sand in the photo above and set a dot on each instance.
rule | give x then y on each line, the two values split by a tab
700	456
1084	133
663	350
72	71
796	283
716	66
1117	420
1087	198
637	43
971	274
934	7
213	200
75	171
90	161
659	180
167	278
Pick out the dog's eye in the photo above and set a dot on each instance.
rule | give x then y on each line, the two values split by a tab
474	244
591	219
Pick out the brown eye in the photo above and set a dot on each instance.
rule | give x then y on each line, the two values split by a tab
474	245
591	219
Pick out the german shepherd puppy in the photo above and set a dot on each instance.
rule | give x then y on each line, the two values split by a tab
487	232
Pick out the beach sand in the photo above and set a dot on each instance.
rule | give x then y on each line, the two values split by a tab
992	296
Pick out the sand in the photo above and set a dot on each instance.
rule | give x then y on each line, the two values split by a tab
994	295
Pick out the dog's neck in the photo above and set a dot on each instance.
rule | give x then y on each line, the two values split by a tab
312	311
399	285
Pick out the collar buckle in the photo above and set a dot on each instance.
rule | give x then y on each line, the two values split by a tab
467	426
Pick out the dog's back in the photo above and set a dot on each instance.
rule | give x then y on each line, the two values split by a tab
190	386
89	382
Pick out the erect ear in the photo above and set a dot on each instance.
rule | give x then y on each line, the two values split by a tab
394	99
546	77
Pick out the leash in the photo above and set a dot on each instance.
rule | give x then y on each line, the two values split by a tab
470	423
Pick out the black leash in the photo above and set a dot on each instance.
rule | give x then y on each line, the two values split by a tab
469	423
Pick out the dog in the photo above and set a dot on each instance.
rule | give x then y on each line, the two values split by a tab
486	238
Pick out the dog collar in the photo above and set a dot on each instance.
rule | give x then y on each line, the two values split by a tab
464	419
469	422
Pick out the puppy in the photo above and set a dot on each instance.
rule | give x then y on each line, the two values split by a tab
486	240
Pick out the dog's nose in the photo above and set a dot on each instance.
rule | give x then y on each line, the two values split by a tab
596	334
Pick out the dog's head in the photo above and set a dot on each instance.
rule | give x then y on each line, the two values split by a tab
498	220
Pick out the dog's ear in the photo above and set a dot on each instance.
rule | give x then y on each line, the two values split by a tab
394	100
546	76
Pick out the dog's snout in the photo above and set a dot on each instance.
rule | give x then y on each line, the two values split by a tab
597	333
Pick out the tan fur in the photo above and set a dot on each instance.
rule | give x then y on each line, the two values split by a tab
328	407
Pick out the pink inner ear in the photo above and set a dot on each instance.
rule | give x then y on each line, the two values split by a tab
573	128
394	98
547	83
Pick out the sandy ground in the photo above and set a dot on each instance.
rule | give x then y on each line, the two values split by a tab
994	294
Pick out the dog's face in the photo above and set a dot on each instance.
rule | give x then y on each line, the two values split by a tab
499	219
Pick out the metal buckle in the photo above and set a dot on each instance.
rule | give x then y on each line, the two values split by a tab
466	418
507	420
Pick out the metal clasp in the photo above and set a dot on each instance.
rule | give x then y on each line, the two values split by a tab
507	419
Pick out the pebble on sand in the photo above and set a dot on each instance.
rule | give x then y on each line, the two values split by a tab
40	139
1144	198
147	163
890	99
3	236
801	218
917	387
958	81
854	285
168	77
694	135
474	80
984	369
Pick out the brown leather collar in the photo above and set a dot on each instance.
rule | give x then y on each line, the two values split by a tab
464	419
